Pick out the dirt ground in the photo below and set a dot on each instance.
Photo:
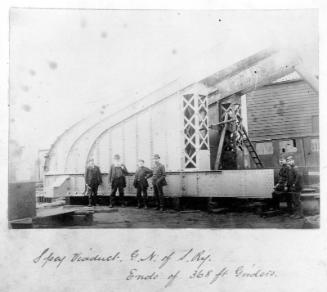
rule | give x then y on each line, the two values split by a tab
140	218
131	217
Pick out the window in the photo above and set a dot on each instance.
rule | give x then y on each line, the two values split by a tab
315	145
287	146
264	148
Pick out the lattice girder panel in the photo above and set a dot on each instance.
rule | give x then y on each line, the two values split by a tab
203	122
196	134
189	111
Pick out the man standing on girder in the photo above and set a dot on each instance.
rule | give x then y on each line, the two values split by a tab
158	181
93	179
117	179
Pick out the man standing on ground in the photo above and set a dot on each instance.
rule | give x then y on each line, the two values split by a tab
92	181
141	183
118	181
158	181
281	188
295	187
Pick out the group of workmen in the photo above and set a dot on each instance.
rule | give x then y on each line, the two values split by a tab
117	180
288	188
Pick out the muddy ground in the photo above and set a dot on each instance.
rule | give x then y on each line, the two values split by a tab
131	217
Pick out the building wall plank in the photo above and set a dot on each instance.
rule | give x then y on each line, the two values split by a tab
282	110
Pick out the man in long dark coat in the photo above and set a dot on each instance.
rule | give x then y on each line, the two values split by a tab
141	183
158	181
295	186
281	189
93	179
117	179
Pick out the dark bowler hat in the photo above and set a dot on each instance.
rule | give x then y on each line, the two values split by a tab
156	156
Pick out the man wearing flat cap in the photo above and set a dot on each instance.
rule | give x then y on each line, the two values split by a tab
117	180
295	186
92	181
281	189
141	183
158	181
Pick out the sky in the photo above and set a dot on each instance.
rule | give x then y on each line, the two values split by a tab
66	64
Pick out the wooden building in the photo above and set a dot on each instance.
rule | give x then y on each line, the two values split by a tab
283	119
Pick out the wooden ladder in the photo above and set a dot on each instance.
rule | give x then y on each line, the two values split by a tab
250	147
246	142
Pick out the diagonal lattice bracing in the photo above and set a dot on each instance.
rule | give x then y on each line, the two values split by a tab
196	137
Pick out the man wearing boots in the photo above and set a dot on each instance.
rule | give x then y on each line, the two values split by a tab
281	188
117	180
158	181
295	186
92	181
141	183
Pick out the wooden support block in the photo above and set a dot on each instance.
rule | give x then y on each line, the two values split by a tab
21	223
190	211
105	210
271	213
50	212
176	202
84	212
219	210
82	220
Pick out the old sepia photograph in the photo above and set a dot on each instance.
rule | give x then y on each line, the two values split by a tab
170	119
